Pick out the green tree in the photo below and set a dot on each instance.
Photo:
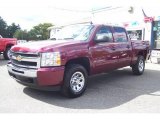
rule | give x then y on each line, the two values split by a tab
3	28
40	31
11	29
32	34
8	31
21	35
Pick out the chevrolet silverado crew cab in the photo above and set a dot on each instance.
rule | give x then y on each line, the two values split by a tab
78	51
5	46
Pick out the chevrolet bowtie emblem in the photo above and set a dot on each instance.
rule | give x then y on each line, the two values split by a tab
19	58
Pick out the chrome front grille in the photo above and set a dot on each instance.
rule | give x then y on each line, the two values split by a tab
25	60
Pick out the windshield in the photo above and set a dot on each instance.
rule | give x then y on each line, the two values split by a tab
74	32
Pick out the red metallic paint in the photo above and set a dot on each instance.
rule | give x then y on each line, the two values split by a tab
6	41
50	76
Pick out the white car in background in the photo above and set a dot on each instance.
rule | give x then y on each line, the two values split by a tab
21	41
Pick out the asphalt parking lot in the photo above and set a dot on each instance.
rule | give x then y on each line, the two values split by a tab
118	91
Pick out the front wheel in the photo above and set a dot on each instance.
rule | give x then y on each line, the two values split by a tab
6	53
139	67
75	81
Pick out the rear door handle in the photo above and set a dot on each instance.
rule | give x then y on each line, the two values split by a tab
113	48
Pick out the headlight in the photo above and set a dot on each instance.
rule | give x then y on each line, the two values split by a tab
51	59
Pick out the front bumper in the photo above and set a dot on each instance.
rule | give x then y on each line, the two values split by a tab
31	73
40	78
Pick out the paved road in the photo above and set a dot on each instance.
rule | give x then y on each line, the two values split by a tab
118	91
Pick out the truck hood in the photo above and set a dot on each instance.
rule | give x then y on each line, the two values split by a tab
42	46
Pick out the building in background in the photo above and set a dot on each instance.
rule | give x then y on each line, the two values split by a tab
156	32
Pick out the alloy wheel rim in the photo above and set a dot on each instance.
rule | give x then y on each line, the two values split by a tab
77	81
8	53
141	65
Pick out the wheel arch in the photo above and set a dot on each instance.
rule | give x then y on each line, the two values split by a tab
143	53
9	46
84	61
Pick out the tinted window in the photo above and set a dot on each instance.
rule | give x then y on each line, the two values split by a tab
104	34
120	34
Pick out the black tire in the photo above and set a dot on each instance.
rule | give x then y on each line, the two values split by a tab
6	53
68	85
139	67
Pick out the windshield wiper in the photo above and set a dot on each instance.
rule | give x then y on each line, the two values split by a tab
61	39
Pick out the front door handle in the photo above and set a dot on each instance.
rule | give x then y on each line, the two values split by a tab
113	48
128	46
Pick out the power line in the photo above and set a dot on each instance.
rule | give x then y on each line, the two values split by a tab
88	11
105	9
71	10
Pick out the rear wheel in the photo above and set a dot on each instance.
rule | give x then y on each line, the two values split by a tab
138	68
75	81
6	53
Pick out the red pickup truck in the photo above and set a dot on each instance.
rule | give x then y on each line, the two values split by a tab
77	52
5	46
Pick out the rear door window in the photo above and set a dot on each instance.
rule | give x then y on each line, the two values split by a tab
120	34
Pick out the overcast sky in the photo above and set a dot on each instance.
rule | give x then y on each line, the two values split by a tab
28	13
